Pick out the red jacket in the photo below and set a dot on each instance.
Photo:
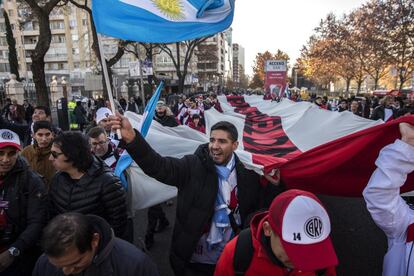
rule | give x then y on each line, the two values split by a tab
260	264
200	127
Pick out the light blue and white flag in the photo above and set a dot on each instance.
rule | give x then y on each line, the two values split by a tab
162	21
125	160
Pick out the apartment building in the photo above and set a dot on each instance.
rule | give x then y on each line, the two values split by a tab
70	53
238	62
215	61
165	69
70	48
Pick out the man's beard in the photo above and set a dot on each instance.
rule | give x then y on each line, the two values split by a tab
161	114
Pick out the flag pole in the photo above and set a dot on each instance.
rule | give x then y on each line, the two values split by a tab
107	82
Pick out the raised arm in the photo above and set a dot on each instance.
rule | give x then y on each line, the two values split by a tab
168	170
382	194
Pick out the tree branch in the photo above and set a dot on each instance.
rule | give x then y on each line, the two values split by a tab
50	5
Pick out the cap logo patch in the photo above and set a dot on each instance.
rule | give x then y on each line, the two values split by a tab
314	227
7	135
106	115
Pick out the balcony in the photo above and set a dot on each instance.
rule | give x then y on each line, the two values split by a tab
30	32
57	71
56	57
56	17
58	31
208	70
29	46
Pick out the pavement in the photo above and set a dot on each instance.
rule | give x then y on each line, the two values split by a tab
360	245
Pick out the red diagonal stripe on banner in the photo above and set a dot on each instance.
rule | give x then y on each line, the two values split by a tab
341	167
263	135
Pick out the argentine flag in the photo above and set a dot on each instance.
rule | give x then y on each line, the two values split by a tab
162	21
125	160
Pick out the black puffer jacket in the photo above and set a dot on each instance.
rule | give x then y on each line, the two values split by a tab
197	182
26	215
98	192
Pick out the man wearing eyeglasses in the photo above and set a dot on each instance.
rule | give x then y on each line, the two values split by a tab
22	209
103	147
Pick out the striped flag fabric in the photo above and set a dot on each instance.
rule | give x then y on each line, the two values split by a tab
125	160
317	150
162	21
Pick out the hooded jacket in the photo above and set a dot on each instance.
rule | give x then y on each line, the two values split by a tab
263	262
26	213
39	162
114	257
98	192
196	178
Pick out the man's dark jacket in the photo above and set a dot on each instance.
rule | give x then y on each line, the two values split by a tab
98	192
26	214
197	182
379	113
115	257
166	120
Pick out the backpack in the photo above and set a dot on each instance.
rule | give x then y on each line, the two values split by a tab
243	253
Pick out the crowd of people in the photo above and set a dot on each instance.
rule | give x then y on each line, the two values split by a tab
64	212
374	108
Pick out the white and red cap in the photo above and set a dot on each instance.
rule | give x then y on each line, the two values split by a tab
103	113
9	138
303	226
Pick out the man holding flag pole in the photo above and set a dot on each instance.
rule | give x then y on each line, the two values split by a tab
216	194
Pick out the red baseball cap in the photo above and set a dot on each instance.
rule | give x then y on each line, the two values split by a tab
9	139
303	226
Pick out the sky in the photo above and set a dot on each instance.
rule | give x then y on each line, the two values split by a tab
262	25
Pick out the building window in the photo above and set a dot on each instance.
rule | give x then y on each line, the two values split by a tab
10	13
57	25
5	54
72	24
58	39
84	22
4	67
3	41
53	66
75	37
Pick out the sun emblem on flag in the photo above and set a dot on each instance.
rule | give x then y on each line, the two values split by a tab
171	8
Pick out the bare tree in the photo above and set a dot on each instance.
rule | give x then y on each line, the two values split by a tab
14	64
150	50
41	11
84	5
181	65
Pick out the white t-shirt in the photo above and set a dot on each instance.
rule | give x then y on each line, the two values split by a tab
388	114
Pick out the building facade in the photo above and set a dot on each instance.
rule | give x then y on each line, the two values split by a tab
215	61
238	62
70	54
